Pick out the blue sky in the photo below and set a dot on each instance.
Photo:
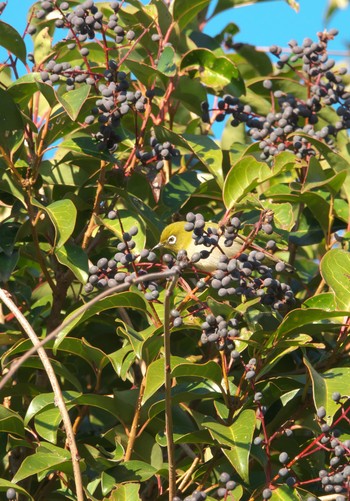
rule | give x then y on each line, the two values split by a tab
261	24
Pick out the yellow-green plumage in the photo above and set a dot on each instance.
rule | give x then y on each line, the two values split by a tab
175	238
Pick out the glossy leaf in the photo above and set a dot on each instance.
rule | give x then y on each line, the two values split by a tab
184	11
11	40
85	146
11	422
131	471
335	269
166	63
10	116
325	384
44	459
217	72
121	300
73	100
238	437
228	4
285	493
299	318
125	492
243	177
127	221
63	215
74	258
180	367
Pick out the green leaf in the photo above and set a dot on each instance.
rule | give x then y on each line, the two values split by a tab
184	11
11	422
208	152
43	460
121	300
5	485
73	100
63	215
84	145
209	371
238	437
128	219
187	392
324	385
228	4
179	189
335	270
47	423
145	73
203	148
11	40
242	178
301	317
285	493
125	492
217	72
166	63
283	214
323	301
42	46
75	259
7	265
180	367
10	116
318	177
131	471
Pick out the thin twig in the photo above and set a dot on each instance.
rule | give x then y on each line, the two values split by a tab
59	400
135	422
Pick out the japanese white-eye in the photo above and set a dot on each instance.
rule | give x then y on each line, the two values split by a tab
174	237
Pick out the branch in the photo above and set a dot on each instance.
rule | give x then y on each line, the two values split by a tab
167	380
59	401
118	288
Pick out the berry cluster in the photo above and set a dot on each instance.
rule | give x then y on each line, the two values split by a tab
116	100
294	115
154	159
228	485
219	331
84	22
111	272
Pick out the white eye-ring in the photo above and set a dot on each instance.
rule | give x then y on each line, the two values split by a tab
172	240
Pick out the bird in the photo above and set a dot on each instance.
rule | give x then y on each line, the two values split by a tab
175	238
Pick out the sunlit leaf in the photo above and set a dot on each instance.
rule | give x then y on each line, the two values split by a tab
335	269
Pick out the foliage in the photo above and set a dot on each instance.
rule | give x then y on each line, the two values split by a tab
217	373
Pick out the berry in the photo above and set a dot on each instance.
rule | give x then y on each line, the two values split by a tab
336	396
11	493
267	493
321	412
224	477
283	458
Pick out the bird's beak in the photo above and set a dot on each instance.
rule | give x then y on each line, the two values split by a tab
158	246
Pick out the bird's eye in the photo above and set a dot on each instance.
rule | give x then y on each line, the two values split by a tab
172	240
